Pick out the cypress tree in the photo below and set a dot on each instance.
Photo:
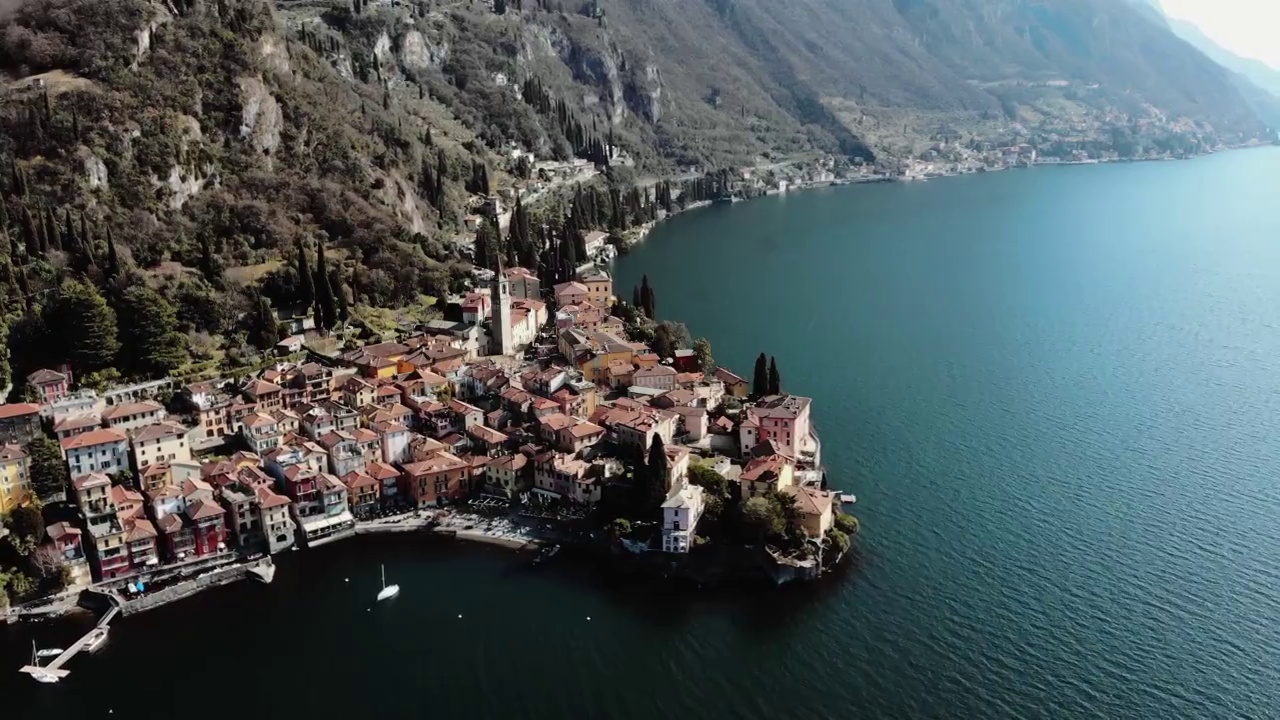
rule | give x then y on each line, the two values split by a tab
656	473
635	296
69	241
53	238
442	172
306	285
760	378
647	300
263	330
775	380
30	233
480	252
325	300
86	239
344	309
113	261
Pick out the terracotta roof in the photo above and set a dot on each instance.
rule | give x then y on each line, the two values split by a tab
380	470
585	429
171	523
201	509
556	421
388	426
440	461
358	478
9	453
163	493
158	431
258	420
13	410
463	408
487	434
77	422
127	409
808	500
764	469
139	529
513	463
44	376
657	370
259	387
93	437
269	499
728	377
121	494
541	403
59	530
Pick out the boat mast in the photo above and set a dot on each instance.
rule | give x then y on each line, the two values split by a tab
384	577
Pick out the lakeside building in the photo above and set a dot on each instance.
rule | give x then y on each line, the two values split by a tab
15	478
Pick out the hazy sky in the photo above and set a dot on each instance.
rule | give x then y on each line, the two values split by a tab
1246	27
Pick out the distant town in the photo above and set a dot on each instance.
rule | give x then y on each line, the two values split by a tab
536	412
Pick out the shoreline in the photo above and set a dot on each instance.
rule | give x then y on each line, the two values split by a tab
640	233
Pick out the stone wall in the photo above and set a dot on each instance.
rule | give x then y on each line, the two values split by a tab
185	589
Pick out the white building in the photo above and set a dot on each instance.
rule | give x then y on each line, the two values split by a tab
680	515
104	451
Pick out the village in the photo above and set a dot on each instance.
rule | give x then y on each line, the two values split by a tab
535	404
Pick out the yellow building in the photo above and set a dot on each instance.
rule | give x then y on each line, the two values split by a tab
762	474
15	479
161	442
599	286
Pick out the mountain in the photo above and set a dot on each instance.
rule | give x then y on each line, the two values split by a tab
211	148
1258	82
1258	72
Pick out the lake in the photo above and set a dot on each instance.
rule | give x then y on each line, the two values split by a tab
1053	392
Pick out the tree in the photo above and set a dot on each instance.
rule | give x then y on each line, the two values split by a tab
656	473
709	480
306	284
324	291
480	253
668	337
775	380
27	522
150	344
86	326
264	331
646	298
619	528
49	475
846	523
763	518
635	295
760	378
702	349
839	541
113	261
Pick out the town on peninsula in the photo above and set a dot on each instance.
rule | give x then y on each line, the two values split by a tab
544	411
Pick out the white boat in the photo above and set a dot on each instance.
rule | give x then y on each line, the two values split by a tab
49	652
39	676
388	591
96	638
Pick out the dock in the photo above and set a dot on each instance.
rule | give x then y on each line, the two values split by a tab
54	669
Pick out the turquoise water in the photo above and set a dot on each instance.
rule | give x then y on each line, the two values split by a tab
1053	392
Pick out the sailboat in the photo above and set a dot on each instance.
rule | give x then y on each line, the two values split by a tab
388	591
35	663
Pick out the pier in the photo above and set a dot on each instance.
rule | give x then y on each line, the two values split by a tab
54	669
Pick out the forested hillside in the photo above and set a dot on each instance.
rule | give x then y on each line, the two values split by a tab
178	170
